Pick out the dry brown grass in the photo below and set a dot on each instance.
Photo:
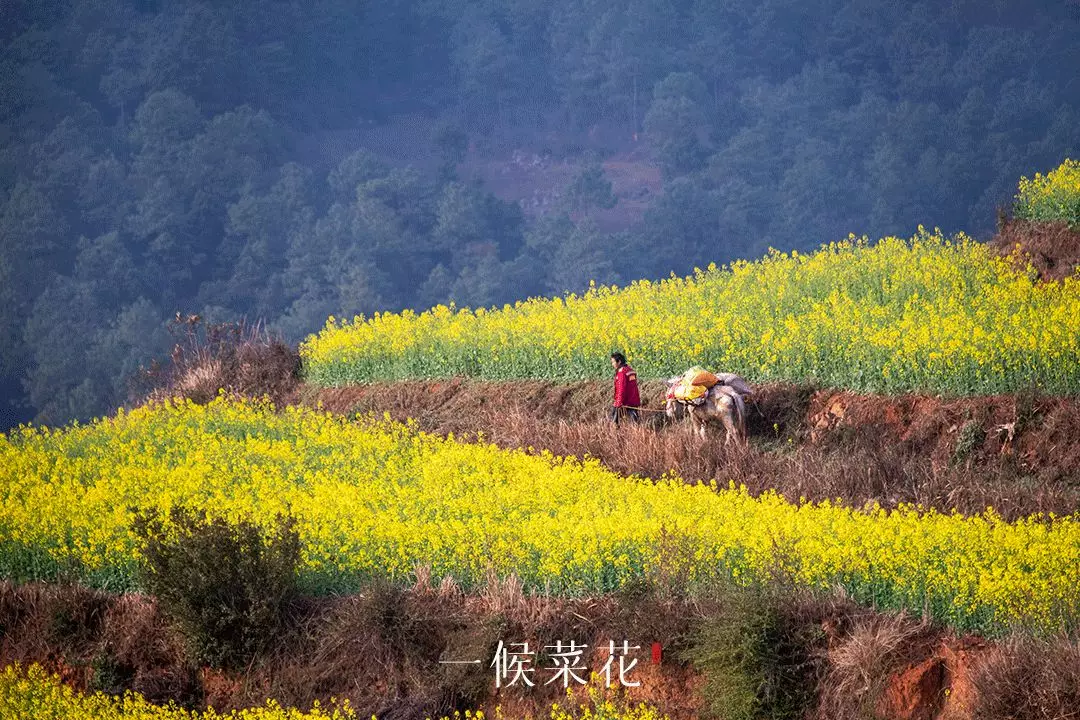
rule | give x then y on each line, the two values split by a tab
86	634
804	444
863	660
1029	679
858	471
238	358
1052	248
380	648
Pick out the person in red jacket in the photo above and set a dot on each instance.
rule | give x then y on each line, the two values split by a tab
626	389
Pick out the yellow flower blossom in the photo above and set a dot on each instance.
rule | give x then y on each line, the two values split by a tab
379	499
929	313
33	693
1054	196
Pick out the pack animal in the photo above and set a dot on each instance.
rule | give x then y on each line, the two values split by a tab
723	402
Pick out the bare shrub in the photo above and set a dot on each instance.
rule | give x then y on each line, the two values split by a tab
239	358
758	657
228	586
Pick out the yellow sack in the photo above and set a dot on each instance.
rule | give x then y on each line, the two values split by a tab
698	375
686	392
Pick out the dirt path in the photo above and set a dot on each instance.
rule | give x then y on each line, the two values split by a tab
1017	454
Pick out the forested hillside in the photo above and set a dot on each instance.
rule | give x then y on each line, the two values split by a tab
293	160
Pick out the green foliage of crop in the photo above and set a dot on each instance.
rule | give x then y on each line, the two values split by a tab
932	313
1054	196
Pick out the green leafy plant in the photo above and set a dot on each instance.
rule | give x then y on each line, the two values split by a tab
970	436
228	586
756	659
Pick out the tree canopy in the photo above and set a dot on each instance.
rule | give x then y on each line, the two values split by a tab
160	157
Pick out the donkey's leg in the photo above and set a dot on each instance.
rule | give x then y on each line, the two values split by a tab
730	426
694	420
740	422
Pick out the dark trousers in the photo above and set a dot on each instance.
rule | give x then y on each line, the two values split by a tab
617	411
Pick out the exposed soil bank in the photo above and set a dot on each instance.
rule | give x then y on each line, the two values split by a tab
1017	454
1052	248
381	649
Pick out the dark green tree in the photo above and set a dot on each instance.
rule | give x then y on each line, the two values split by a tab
676	123
590	189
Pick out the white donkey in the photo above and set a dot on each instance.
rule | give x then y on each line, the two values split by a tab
723	402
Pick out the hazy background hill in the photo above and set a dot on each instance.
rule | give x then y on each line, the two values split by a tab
291	160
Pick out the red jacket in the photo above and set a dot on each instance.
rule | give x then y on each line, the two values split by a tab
626	391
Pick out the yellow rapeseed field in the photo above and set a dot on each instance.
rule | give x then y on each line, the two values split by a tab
930	313
380	499
32	694
1054	196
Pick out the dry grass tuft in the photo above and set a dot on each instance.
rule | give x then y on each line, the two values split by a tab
1029	679
236	358
863	659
